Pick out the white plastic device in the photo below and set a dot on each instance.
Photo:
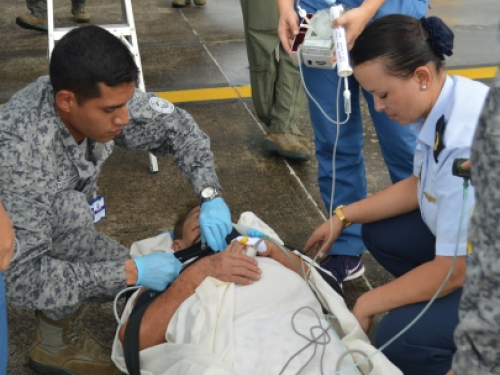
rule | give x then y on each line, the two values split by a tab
344	68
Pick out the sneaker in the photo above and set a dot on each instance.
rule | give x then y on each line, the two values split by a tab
81	15
64	347
29	21
287	145
344	267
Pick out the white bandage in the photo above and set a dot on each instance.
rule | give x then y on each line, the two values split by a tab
251	241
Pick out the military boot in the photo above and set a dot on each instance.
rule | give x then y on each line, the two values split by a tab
29	21
81	15
64	347
180	3
287	145
304	142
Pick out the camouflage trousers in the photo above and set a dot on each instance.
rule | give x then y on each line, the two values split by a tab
39	7
73	264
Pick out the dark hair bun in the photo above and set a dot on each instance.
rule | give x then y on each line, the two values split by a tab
440	36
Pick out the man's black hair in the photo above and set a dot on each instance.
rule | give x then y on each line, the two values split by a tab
86	56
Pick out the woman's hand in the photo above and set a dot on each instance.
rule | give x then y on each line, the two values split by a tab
362	312
354	22
288	28
323	237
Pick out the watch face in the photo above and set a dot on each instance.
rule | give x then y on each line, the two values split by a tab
208	192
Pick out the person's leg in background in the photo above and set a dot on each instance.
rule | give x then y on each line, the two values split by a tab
397	142
277	92
78	10
344	260
37	18
400	244
4	353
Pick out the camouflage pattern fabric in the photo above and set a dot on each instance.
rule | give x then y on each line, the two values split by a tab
46	184
477	336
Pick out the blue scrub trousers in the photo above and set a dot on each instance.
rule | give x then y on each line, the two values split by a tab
400	244
396	142
3	329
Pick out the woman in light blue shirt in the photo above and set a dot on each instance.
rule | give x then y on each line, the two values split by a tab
414	227
397	143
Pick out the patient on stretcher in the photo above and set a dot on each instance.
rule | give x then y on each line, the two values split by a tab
229	313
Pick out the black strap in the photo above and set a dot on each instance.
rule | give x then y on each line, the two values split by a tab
131	339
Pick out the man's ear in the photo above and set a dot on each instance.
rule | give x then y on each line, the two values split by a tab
176	245
65	101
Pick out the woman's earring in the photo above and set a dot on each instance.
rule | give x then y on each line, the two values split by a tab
424	87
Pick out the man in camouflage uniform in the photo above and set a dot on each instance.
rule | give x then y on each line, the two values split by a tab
477	336
54	138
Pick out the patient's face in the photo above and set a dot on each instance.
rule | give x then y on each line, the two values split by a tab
191	231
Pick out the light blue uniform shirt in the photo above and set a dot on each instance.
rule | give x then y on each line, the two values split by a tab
415	8
440	194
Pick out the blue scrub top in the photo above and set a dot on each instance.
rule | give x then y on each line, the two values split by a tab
414	8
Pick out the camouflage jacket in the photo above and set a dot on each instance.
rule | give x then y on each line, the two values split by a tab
477	336
45	179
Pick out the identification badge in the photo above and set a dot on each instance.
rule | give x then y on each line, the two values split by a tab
98	207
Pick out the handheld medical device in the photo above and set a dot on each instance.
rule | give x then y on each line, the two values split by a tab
317	43
344	68
458	171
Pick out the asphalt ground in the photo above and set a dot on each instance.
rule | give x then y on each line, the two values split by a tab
196	57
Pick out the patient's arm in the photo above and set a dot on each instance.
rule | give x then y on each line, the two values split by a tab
230	265
277	254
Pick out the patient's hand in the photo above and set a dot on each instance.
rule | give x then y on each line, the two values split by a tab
232	265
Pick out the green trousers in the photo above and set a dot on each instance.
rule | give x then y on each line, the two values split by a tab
277	92
39	7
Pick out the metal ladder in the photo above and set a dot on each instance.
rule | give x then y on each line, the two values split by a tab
126	32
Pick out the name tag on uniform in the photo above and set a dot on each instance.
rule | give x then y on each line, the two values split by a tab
98	207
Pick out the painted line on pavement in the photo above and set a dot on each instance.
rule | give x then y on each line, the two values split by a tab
245	91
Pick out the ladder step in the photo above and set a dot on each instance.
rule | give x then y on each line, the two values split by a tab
117	30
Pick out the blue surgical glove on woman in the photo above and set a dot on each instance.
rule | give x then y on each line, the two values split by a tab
157	270
215	223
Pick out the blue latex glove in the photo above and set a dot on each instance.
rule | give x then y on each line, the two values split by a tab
215	223
157	270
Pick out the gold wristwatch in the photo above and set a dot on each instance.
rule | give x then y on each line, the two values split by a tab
342	218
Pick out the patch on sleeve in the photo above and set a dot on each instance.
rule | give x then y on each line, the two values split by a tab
161	105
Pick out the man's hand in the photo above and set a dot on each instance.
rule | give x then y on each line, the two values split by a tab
323	237
157	270
231	265
7	239
215	223
288	28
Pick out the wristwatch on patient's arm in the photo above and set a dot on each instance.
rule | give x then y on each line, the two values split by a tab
338	212
210	193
